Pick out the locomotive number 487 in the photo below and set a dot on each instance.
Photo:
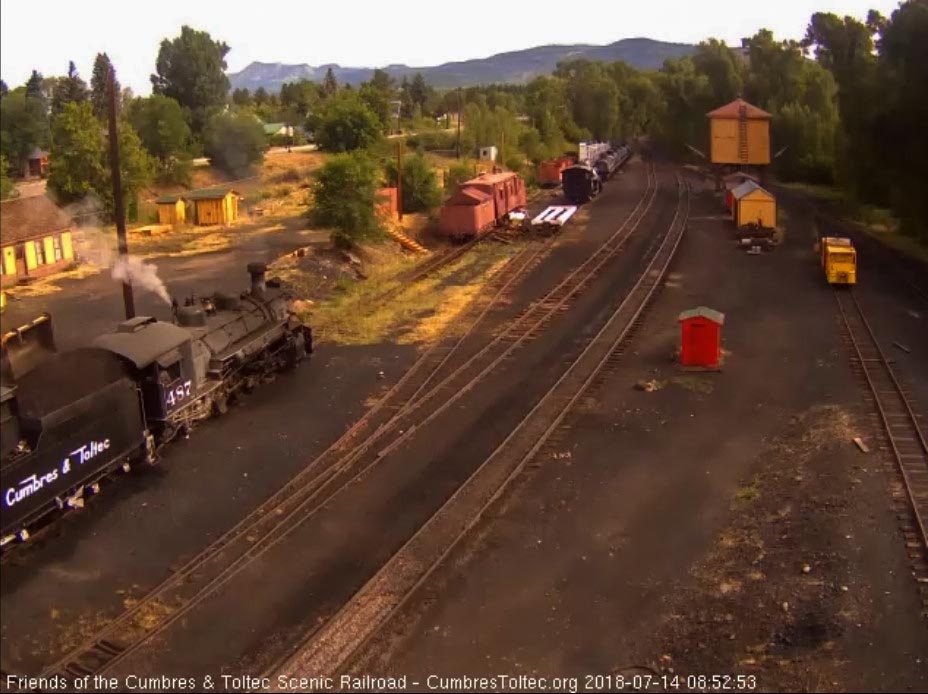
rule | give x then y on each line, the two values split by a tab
176	394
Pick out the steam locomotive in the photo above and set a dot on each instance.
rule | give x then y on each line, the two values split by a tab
584	181
68	420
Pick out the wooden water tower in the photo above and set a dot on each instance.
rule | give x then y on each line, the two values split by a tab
739	135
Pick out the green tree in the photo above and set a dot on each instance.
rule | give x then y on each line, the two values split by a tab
903	73
135	165
4	90
78	153
723	69
34	88
457	174
420	184
234	141
378	101
23	126
241	97
301	97
163	130
6	183
419	91
381	80
346	123
345	196
191	69
70	89
98	82
260	97
329	83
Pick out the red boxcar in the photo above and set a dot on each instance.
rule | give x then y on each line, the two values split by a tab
481	203
549	172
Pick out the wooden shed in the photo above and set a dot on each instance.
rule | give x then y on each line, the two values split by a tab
752	204
701	337
172	209
215	206
739	133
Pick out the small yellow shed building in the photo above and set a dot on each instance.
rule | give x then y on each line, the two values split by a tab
739	133
217	206
752	204
172	209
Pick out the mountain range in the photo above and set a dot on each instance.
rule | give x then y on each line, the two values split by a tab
515	67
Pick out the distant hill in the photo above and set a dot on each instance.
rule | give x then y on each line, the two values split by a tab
512	67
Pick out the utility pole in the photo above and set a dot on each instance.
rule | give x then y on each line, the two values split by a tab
399	179
119	203
460	111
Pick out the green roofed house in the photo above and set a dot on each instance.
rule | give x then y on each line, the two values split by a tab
272	129
214	206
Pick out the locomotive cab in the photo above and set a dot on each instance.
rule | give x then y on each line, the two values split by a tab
162	355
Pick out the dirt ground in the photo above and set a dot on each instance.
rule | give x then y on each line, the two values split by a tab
723	524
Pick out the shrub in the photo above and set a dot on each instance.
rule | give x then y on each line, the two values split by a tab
345	194
420	185
457	174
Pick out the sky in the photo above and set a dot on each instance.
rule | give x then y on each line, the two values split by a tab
46	34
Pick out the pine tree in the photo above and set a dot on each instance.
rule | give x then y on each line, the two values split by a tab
98	80
34	86
70	89
329	84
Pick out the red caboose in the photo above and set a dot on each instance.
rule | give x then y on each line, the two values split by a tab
481	203
701	337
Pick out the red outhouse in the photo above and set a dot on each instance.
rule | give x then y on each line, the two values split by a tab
701	337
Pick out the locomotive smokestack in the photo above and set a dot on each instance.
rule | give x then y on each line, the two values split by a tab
257	272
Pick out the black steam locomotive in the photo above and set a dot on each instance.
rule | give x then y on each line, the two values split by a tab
583	182
70	419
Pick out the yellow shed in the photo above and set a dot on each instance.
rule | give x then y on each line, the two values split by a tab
172	209
739	133
752	204
218	206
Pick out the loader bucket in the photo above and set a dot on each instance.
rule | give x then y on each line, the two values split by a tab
24	348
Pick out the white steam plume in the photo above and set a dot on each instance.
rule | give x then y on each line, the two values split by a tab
141	275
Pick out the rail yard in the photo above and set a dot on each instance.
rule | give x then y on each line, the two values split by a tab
600	376
386	519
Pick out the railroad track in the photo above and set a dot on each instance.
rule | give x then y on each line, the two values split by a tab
903	432
327	650
352	455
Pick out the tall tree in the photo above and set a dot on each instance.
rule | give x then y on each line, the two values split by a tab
77	153
723	68
234	141
69	89
241	97
98	82
346	123
329	83
163	130
903	72
191	69
23	126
